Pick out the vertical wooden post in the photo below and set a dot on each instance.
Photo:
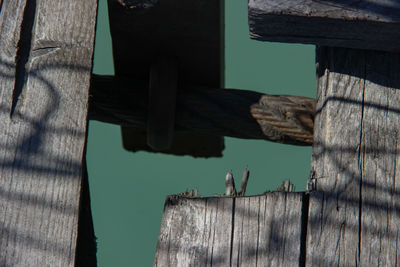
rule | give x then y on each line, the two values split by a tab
46	52
354	217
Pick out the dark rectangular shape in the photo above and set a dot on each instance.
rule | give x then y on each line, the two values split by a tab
188	30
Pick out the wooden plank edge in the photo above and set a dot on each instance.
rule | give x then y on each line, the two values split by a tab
322	28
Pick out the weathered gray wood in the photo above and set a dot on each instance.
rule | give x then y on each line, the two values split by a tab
195	232
373	24
44	81
260	230
245	180
267	230
227	112
190	31
354	217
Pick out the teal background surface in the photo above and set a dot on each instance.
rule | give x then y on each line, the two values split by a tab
128	189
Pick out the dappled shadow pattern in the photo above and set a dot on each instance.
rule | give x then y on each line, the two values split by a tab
29	157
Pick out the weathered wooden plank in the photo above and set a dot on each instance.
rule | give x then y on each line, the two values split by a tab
373	24
226	112
267	230
189	30
260	230
45	62
354	217
195	232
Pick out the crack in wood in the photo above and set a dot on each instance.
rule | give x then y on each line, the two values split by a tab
304	225
41	51
232	231
361	158
23	52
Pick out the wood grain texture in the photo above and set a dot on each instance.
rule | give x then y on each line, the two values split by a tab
227	112
267	230
46	52
195	232
260	230
373	24
354	216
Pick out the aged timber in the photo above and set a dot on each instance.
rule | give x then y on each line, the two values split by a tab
225	112
264	230
46	52
373	24
354	217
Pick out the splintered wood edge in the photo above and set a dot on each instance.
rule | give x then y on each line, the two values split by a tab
233	230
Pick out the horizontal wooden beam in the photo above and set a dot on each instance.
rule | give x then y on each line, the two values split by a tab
223	112
372	24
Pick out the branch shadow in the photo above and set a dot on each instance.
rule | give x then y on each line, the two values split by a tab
31	164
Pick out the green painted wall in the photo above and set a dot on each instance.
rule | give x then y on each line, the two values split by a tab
128	189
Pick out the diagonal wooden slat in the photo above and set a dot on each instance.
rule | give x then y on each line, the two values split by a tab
46	52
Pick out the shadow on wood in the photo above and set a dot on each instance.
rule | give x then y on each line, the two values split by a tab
355	220
225	231
45	64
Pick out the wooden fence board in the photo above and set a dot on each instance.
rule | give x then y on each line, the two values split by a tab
354	217
195	232
373	24
260	230
267	230
44	80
